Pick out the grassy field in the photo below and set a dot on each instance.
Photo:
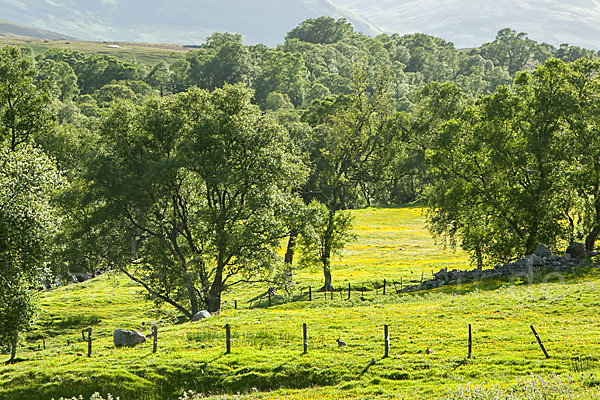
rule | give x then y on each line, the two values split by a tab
146	53
267	359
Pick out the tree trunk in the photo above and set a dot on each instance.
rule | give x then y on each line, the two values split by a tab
13	352
289	254
214	295
327	286
397	198
326	256
590	240
191	290
479	256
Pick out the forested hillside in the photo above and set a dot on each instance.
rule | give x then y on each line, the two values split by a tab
234	164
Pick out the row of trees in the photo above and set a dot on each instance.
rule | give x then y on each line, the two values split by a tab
186	194
187	177
518	167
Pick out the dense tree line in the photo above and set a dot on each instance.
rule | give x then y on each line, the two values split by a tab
186	177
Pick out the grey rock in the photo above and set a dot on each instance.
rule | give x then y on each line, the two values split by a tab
566	257
542	251
123	337
554	258
201	315
536	260
576	250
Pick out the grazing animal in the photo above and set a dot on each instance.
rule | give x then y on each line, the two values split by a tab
340	343
428	351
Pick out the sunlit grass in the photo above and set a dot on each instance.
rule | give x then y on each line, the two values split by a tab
267	359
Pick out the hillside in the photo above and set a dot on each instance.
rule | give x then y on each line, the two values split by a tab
11	29
470	23
183	22
266	349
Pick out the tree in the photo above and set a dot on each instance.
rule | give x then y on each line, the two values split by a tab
24	109
283	73
222	59
195	186
499	169
513	50
28	182
349	134
584	143
320	238
322	30
57	78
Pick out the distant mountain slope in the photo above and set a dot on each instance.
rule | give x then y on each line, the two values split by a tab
181	21
8	28
469	23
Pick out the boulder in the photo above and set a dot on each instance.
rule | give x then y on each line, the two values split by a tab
542	251
576	250
124	337
536	260
200	315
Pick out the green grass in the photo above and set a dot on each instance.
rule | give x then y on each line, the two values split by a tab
146	53
267	360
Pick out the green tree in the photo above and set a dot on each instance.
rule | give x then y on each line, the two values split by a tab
24	109
349	134
57	78
499	169
322	30
514	51
284	73
584	143
28	183
198	182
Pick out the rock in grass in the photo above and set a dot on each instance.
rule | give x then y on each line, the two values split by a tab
200	315
123	337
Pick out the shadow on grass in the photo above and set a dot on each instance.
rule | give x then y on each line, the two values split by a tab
460	363
368	366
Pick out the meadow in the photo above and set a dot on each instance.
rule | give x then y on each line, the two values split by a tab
267	360
145	53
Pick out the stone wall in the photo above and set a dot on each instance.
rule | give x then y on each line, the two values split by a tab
541	261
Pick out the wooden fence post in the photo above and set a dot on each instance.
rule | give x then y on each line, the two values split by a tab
269	291
384	283
305	337
309	293
348	290
90	341
235	304
44	341
83	334
540	342
228	338
386	339
154	338
470	341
